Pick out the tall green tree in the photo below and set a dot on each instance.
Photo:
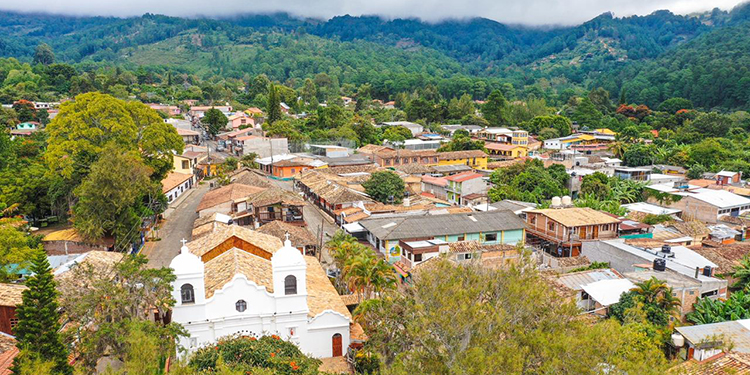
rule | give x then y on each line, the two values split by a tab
39	320
16	248
385	187
214	121
273	107
495	110
43	54
114	196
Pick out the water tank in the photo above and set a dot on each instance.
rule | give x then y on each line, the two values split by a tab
660	264
566	201
707	271
556	202
678	340
666	249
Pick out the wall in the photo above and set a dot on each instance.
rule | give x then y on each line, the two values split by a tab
6	314
177	191
694	209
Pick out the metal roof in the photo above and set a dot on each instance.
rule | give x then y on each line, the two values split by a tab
395	228
736	332
577	280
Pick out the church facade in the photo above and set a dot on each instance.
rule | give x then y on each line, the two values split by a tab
248	287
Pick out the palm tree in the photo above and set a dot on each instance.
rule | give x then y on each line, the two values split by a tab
668	302
617	148
742	274
650	290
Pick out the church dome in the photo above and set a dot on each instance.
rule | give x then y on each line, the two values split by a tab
288	255
186	262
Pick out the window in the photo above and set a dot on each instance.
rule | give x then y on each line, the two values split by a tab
193	342
551	226
13	323
290	285
417	257
292	331
466	256
186	291
185	164
241	305
532	219
461	238
490	237
692	292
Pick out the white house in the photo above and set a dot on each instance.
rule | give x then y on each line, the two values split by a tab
255	286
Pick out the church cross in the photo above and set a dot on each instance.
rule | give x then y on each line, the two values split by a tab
184	241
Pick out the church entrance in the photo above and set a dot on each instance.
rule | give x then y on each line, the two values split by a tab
337	350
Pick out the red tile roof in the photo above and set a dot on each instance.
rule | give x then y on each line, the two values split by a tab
463	176
439	181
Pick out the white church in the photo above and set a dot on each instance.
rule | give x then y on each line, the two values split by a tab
236	280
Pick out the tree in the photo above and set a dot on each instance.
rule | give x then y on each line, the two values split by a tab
654	297
86	126
385	187
637	155
742	274
696	171
712	124
587	115
43	54
273	107
596	184
529	182
25	110
16	249
39	321
672	105
397	133
462	142
248	160
214	121
111	303
508	320
495	110
707	310
113	197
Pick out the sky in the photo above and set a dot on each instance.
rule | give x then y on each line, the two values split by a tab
527	12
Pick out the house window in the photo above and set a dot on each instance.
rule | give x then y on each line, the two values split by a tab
290	285
293	171
13	323
461	238
185	164
292	331
551	226
490	237
532	219
417	257
193	342
187	294
241	305
466	256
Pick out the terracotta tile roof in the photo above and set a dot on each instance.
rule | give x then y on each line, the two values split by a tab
321	295
205	228
347	210
299	236
463	176
439	181
721	364
71	234
231	192
413	168
577	216
250	177
371	149
477	247
6	360
273	196
356	217
450	155
344	169
726	256
500	146
174	180
220	234
10	294
504	164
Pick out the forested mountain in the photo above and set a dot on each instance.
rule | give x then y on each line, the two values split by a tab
702	57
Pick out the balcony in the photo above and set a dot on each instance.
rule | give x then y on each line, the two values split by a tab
290	215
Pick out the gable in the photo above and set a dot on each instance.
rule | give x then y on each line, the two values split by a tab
235	242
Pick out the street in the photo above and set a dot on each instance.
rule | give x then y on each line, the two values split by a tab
314	217
177	225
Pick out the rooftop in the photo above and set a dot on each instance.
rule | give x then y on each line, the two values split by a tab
577	216
174	180
440	225
231	192
463	176
738	332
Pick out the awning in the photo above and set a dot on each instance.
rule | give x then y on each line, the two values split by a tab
353	228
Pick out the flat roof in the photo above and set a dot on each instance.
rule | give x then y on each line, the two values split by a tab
649	208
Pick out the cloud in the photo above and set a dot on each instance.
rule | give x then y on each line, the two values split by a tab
528	12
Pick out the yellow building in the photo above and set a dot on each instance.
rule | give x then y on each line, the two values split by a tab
506	151
476	159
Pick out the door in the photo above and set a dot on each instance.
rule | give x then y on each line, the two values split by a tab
336	341
583	233
596	232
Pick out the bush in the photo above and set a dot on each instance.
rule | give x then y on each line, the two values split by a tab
248	353
652	219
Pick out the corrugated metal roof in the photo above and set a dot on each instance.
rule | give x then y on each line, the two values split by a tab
736	332
442	225
577	280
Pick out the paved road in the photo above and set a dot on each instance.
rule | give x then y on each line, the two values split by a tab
314	217
177	225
